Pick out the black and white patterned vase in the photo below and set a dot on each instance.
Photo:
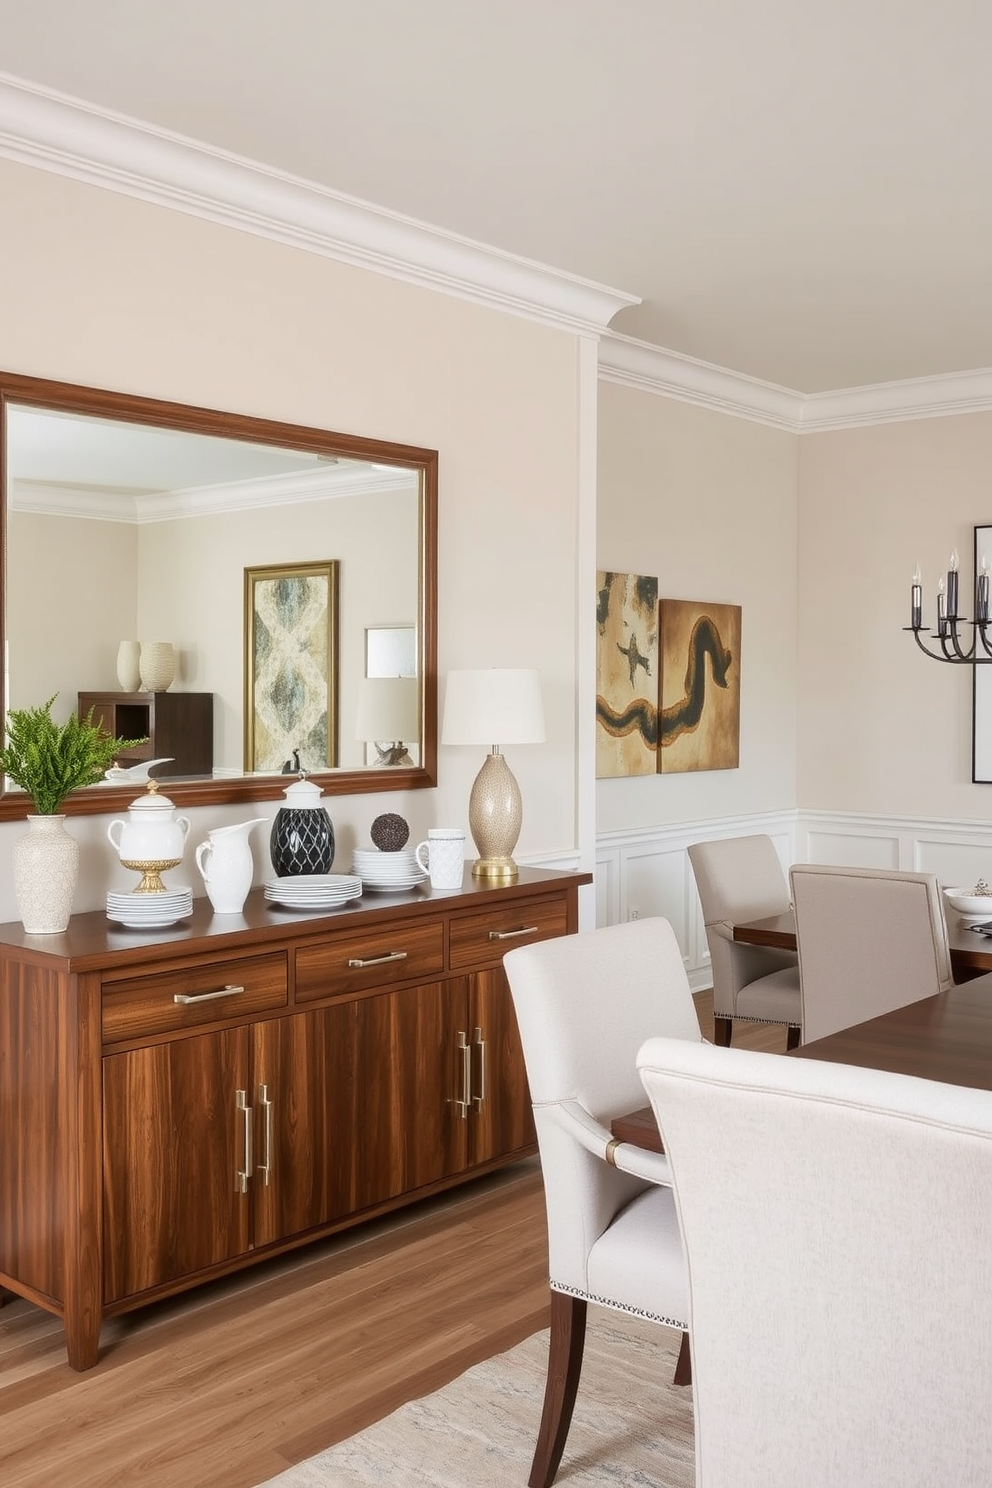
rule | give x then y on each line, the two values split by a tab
302	838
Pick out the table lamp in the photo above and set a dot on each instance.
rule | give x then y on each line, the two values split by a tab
500	704
388	714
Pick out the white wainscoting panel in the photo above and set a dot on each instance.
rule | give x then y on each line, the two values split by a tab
647	871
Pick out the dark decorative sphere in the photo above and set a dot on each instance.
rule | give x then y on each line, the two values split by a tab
390	832
302	841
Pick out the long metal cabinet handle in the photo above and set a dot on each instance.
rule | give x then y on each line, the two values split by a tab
466	1096
241	1175
512	934
265	1166
480	1044
187	997
378	960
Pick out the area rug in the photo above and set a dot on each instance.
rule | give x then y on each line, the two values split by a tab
631	1426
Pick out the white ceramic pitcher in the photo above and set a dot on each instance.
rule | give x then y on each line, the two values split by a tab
227	867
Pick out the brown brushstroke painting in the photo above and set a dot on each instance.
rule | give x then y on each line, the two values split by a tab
626	674
699	696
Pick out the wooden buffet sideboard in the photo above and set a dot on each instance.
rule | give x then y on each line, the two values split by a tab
177	1104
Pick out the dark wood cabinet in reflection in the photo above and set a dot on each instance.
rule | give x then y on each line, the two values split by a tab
179	727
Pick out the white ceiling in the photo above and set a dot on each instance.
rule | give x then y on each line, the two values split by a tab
797	191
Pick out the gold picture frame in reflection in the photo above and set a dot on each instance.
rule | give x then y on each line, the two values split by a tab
291	667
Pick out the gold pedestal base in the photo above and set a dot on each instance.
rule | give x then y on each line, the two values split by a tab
151	873
496	870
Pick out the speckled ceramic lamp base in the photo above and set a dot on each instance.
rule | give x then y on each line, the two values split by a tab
495	812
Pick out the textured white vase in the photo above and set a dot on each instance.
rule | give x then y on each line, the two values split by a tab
157	665
128	668
46	865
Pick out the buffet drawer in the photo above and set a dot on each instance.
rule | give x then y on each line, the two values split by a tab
484	939
190	995
375	959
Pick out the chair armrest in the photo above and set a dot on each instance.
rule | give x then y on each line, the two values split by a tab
653	1167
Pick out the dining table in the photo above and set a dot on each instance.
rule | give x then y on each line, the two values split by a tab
971	950
947	1037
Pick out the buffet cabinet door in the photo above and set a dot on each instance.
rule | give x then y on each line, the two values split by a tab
177	1155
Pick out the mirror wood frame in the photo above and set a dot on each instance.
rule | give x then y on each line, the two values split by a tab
73	398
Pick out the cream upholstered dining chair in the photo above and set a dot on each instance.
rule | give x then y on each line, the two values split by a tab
870	940
584	1005
850	1232
740	879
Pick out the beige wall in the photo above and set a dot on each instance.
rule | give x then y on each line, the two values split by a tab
881	728
109	291
707	503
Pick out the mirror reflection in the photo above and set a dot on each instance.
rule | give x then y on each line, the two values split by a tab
225	584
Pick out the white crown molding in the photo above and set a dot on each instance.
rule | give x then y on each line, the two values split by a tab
894	402
670	374
638	364
42	128
197	501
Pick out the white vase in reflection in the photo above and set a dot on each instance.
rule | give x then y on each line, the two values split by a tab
157	665
128	668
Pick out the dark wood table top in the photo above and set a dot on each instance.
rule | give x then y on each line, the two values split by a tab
971	953
948	1038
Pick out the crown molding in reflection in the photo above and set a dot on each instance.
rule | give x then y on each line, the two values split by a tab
638	364
70	137
92	504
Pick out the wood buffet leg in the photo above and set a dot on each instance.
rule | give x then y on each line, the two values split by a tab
568	1336
792	1038
722	1030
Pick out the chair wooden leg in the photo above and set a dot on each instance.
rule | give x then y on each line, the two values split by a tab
568	1336
722	1030
683	1368
792	1040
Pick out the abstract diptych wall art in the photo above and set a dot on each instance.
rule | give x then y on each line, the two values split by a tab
668	681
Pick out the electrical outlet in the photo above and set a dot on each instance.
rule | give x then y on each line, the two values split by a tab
634	913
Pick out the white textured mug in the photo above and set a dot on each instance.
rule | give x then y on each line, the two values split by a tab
444	852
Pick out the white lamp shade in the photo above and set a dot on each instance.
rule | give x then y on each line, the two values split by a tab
493	705
388	709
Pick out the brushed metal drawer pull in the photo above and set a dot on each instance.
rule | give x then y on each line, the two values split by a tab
379	960
265	1166
187	997
511	934
241	1175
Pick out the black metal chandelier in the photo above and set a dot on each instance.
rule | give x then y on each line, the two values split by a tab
949	632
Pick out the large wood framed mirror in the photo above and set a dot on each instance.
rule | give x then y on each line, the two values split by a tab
132	518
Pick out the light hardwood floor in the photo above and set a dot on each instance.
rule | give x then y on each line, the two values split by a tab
230	1384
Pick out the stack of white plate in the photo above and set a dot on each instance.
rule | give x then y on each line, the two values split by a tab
150	911
313	890
387	872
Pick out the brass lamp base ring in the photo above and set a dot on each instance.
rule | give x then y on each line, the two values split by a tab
496	870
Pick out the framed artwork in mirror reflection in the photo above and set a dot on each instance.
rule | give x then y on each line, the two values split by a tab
291	667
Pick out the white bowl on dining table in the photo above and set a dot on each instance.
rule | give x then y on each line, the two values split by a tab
971	906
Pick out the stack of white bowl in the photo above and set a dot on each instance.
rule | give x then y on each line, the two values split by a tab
388	872
150	911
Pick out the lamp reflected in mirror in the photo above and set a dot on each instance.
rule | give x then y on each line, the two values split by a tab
389	717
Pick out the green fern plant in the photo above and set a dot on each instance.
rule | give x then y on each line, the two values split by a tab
49	759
